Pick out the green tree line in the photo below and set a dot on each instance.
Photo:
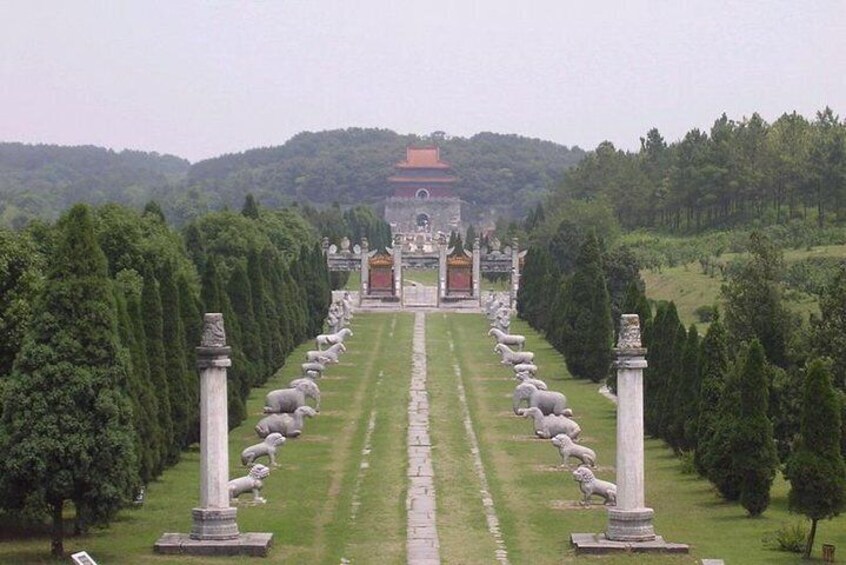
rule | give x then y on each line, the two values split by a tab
737	173
103	311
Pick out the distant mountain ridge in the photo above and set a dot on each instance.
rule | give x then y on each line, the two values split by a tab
43	180
349	166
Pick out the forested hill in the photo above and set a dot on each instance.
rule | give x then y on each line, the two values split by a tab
351	166
44	180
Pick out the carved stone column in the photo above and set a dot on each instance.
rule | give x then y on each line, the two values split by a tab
515	271
477	271
631	520
214	530
442	271
365	270
397	251
214	519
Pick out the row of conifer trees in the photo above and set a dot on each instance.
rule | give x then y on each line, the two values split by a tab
102	395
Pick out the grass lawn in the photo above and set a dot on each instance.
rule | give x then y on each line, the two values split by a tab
340	491
310	496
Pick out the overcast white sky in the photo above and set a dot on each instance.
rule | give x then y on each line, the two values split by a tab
201	78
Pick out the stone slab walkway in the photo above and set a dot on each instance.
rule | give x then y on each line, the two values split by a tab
422	543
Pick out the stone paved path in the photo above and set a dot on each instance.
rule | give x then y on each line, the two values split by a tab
422	544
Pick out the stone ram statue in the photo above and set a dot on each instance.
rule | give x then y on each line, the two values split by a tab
328	355
549	402
266	448
530	368
508	339
332	339
590	485
525	377
289	399
547	427
314	366
511	357
568	448
251	483
289	425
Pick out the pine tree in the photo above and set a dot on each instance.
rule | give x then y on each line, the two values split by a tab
714	366
66	430
828	335
262	310
816	470
587	316
250	209
151	306
753	450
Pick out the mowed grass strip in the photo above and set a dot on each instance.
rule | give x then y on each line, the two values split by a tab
462	528
379	527
308	495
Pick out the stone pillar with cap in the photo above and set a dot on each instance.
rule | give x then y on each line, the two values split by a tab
515	271
397	256
477	270
365	270
214	530
630	520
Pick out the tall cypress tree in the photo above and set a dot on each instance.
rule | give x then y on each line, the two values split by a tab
816	470
173	341
714	366
66	430
241	298
140	394
587	316
684	406
151	305
262	310
753	450
192	321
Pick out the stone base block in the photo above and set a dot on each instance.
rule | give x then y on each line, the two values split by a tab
630	525
214	524
598	544
251	544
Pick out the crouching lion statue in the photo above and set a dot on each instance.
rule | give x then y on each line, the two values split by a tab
590	485
568	448
252	482
268	447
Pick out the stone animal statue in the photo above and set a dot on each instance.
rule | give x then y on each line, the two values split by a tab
289	425
289	399
590	485
549	402
332	339
313	366
508	339
547	427
526	378
251	483
568	448
511	357
526	368
328	355
267	448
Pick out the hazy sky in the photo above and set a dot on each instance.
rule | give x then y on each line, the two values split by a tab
201	78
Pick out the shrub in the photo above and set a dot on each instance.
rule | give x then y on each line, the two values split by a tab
705	313
789	537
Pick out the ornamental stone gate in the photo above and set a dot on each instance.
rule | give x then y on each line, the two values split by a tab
459	272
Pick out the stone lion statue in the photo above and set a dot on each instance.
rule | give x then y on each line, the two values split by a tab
266	448
252	482
568	448
590	485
